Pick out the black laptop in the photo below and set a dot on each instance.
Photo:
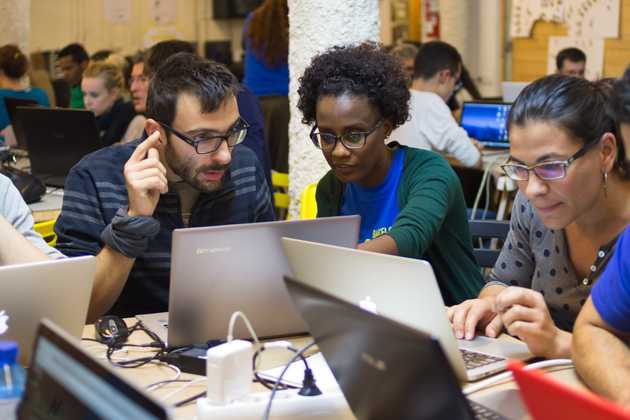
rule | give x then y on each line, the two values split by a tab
11	105
64	382
386	370
56	139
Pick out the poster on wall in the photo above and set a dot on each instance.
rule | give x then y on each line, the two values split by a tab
593	48
583	18
117	11
430	20
163	12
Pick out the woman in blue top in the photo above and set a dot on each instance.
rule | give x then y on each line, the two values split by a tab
266	41
13	67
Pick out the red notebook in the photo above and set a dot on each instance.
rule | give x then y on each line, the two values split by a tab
549	399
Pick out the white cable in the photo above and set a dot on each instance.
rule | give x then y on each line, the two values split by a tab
506	376
180	389
233	318
159	384
486	171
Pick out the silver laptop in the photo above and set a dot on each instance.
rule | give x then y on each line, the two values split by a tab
511	90
58	290
218	270
404	289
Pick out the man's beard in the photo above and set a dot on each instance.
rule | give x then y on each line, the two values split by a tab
184	169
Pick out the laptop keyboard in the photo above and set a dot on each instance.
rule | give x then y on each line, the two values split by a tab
474	360
484	413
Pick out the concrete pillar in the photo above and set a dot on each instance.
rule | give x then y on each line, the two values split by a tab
15	22
314	26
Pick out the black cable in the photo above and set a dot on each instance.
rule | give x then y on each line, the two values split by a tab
190	399
141	361
275	387
268	383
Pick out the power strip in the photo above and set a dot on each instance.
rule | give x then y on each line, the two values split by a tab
287	405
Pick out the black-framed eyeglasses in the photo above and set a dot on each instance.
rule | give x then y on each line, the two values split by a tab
206	142
350	140
547	171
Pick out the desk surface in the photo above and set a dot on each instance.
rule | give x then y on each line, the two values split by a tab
504	395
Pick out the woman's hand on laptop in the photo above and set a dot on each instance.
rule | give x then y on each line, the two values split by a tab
474	314
525	315
145	177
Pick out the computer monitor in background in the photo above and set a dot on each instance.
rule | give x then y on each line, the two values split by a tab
487	122
65	382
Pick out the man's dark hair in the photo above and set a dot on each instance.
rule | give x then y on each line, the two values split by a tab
78	53
579	107
434	57
359	70
210	82
572	54
160	52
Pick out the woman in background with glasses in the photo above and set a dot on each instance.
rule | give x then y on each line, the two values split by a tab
573	201
410	201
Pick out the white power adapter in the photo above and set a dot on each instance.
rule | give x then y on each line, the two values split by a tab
229	371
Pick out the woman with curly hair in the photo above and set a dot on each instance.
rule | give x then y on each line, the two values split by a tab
410	200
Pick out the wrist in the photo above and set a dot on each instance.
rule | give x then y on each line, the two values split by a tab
562	345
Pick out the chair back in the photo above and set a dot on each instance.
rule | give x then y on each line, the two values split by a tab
308	203
487	229
47	230
281	199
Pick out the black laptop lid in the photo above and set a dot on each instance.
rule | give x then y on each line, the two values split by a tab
64	382
385	369
57	138
11	105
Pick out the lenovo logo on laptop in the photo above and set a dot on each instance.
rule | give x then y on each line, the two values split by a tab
204	251
4	319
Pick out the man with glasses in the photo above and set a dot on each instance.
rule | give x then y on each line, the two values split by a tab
122	203
436	77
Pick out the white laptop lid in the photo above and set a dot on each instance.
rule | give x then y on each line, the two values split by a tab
58	290
403	289
218	270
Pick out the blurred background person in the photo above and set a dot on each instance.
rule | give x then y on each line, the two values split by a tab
266	41
13	67
102	87
72	60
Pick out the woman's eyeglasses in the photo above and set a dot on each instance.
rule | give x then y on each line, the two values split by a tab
547	171
206	142
350	140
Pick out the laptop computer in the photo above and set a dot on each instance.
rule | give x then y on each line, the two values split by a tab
511	90
59	290
549	399
11	105
404	289
64	382
385	369
487	122
56	140
218	270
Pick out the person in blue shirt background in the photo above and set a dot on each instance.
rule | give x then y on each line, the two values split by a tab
266	45
602	330
13	67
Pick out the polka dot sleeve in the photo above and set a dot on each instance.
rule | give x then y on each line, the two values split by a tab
516	262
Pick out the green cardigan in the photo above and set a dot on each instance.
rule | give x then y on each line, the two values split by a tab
431	225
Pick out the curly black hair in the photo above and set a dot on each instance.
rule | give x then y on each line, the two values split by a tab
361	70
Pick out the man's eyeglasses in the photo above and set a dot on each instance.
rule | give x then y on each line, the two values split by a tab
350	140
547	171
206	142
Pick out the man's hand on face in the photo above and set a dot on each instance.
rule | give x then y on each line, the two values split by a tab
145	177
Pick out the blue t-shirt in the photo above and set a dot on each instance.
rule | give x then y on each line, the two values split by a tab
611	293
377	206
260	77
35	94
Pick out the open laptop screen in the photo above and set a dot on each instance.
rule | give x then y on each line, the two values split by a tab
64	382
487	122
